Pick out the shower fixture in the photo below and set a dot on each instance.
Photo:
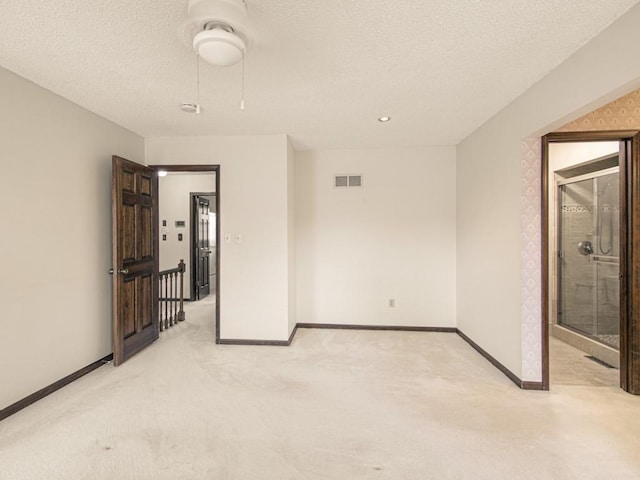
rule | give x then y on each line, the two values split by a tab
600	210
587	280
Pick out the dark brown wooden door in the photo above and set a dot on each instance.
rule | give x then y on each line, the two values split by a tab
202	246
630	272
135	281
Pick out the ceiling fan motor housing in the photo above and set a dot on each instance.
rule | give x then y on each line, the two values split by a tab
222	26
231	12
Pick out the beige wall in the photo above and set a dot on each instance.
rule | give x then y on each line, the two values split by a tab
489	270
56	244
393	238
291	237
254	202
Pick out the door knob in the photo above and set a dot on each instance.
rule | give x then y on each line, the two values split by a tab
123	271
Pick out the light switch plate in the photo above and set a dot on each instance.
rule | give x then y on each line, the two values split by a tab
227	238
238	238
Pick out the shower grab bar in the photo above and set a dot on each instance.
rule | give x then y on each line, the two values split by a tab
610	259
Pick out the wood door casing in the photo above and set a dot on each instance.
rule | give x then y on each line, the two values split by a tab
135	279
631	353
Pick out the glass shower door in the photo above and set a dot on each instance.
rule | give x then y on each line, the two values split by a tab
588	266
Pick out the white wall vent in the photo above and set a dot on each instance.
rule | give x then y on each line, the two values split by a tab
355	180
347	181
341	181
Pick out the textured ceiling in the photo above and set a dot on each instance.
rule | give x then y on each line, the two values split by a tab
320	71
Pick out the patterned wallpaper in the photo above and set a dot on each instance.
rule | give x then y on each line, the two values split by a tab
530	262
621	114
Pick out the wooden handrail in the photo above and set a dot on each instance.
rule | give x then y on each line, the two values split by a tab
171	296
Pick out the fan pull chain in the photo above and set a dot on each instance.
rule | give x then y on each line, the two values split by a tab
242	97
198	110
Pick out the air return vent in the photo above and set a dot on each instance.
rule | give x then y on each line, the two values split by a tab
343	181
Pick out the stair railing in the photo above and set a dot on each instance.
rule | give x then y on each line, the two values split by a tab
171	296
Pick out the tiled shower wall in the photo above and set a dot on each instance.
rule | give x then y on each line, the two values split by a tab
577	273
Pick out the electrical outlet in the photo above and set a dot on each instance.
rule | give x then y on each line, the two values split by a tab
392	303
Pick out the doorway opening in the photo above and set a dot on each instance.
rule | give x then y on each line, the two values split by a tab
190	232
203	251
589	222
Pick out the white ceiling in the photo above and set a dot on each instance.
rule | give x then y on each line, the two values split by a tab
321	71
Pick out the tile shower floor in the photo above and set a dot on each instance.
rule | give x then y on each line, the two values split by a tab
611	340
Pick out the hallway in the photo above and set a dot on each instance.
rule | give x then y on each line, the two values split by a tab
337	404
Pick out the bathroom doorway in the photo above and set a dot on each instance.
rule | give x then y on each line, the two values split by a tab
591	222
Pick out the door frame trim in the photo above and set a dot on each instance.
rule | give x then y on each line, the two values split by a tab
199	168
628	171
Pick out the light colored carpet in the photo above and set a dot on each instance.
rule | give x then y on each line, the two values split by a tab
337	404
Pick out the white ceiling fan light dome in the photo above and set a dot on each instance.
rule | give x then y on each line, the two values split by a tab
219	46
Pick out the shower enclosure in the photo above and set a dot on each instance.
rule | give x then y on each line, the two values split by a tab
588	256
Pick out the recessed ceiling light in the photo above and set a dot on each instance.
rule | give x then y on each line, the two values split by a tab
384	119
